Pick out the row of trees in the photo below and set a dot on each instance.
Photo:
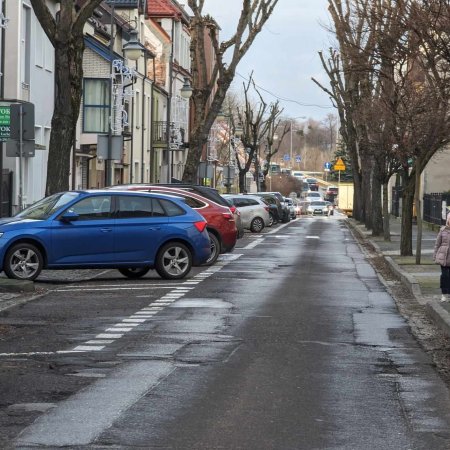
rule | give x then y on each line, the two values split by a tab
65	32
390	82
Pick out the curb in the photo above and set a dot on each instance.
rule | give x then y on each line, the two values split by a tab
440	316
407	280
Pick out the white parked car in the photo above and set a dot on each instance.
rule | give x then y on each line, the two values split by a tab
254	211
313	196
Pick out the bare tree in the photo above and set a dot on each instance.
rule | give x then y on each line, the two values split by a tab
274	137
254	126
65	32
209	90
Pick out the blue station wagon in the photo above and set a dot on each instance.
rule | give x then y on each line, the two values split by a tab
131	231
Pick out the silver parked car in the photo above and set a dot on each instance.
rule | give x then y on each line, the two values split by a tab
254	211
317	208
290	203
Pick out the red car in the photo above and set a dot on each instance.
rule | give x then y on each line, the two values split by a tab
221	223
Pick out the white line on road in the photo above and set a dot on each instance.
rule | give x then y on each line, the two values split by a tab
253	244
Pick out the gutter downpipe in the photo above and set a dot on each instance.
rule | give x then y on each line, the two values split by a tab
169	106
143	116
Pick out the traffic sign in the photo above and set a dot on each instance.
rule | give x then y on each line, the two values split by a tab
5	122
339	165
298	158
327	166
286	157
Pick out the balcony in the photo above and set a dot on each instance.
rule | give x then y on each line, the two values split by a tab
159	136
177	135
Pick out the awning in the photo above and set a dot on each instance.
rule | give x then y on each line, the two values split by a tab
101	49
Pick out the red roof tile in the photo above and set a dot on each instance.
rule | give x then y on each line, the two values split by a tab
162	8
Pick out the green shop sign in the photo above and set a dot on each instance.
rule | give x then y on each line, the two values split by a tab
5	122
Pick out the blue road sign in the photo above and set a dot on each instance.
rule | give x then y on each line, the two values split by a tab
327	165
286	157
298	158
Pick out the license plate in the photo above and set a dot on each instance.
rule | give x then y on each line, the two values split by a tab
318	211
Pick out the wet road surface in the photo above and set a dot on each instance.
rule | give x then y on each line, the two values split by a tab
291	343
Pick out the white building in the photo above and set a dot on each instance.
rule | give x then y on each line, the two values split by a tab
28	75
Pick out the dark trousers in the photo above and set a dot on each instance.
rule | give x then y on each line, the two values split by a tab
445	279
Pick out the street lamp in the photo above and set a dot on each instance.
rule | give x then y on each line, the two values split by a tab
291	129
186	90
133	49
274	138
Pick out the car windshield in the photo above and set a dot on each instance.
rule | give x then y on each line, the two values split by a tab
45	207
311	180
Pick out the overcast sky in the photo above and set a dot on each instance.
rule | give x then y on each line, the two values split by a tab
284	55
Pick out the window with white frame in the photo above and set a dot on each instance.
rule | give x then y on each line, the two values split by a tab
96	101
39	46
25	46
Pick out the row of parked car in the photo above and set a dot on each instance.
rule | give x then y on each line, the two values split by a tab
133	228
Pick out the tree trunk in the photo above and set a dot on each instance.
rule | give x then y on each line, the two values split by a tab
196	144
242	186
377	212
386	225
419	219
407	215
367	176
68	79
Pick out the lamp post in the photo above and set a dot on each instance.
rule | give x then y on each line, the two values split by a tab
291	129
186	93
238	131
274	138
132	50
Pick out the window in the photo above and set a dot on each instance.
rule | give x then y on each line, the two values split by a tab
171	208
93	208
96	100
25	46
252	202
132	207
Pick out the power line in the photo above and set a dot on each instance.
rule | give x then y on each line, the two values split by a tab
287	99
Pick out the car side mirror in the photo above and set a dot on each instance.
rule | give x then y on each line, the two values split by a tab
69	216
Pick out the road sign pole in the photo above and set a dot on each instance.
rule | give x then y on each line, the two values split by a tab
20	157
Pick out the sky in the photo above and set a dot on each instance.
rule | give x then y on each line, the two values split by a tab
284	56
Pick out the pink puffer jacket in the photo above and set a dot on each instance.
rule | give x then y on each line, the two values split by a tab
441	249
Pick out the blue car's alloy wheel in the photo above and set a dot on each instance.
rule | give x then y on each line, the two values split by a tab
23	261
174	261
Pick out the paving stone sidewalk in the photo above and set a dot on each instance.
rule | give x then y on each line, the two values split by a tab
421	279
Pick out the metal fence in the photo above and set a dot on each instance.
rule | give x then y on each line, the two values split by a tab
435	207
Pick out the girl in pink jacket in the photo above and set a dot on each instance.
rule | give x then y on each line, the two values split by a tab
442	256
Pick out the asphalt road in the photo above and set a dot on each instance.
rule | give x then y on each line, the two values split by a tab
291	343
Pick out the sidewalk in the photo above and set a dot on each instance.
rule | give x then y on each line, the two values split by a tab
421	280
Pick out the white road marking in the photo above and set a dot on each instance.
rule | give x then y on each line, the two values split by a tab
144	314
124	330
253	244
109	336
312	237
130	288
89	348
